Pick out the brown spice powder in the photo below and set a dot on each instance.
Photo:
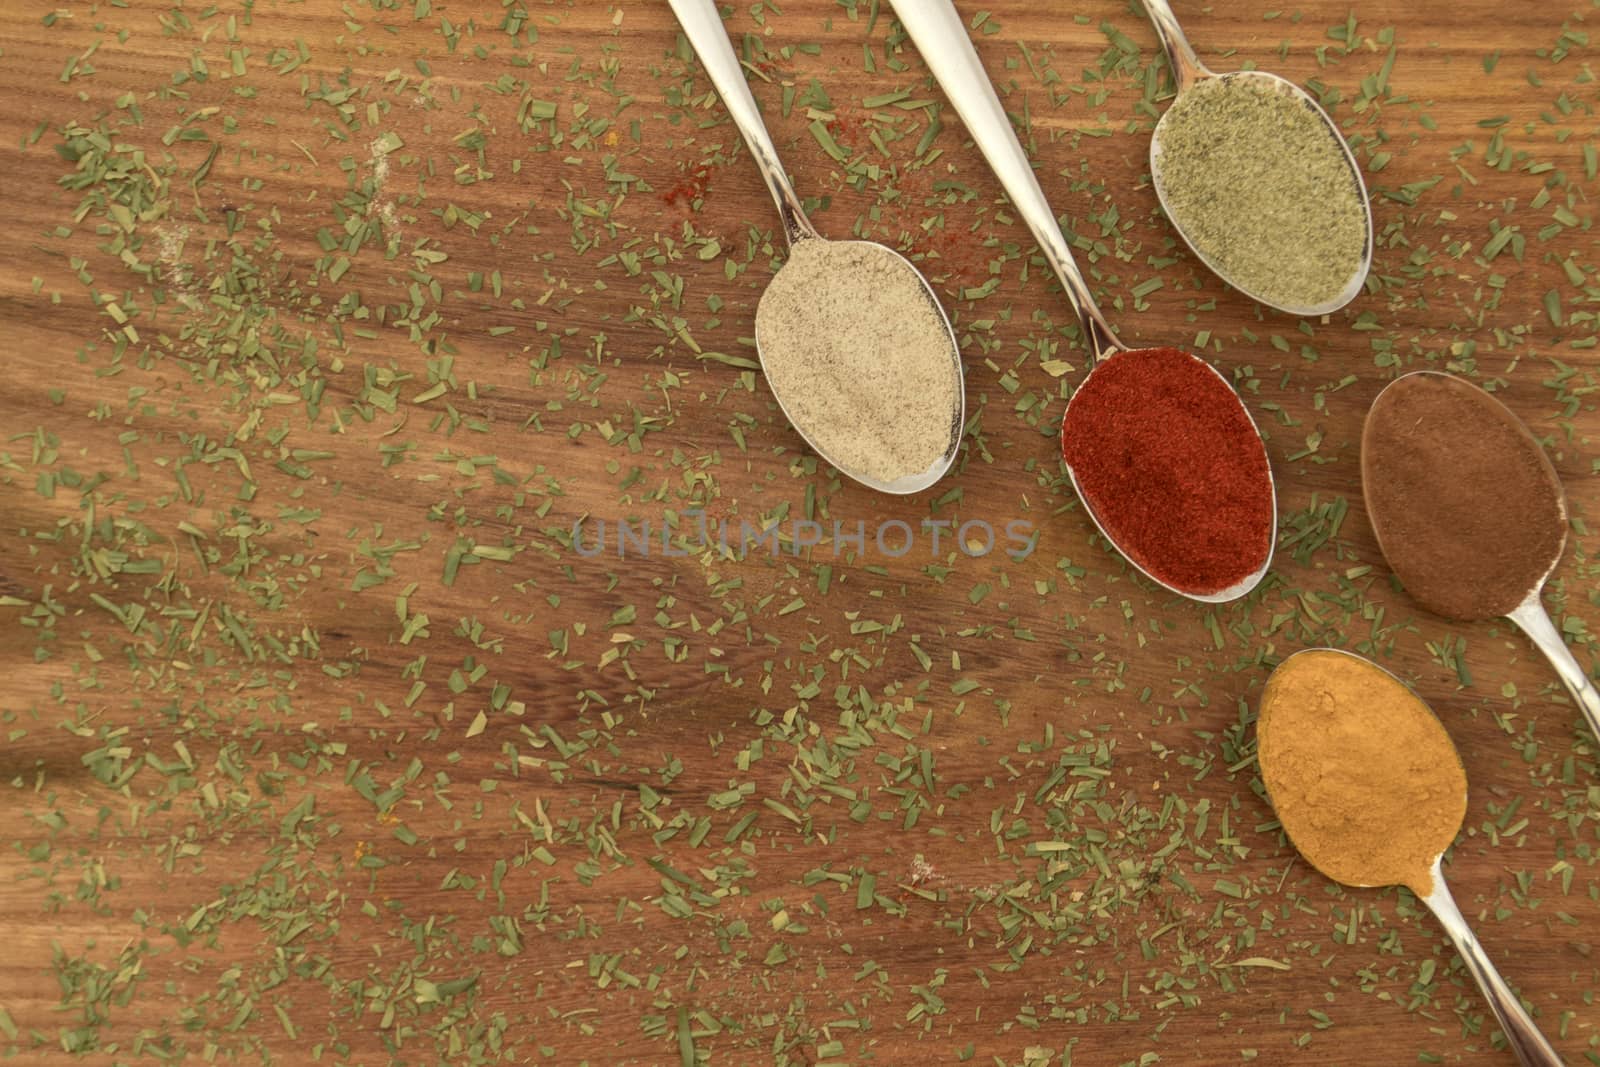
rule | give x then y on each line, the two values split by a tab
1364	778
1467	508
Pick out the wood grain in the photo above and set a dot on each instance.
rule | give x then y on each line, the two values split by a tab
794	808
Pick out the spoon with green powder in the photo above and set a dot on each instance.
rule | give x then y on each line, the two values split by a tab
1469	511
852	339
1164	455
1259	182
1368	786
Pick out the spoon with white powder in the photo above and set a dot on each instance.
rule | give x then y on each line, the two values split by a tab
853	342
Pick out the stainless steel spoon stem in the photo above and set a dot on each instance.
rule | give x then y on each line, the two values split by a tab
1186	66
1530	1046
941	36
702	24
1535	622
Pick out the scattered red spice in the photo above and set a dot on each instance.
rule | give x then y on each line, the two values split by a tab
846	126
1170	464
956	251
690	187
960	252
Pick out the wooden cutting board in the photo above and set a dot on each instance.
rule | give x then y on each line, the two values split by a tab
326	742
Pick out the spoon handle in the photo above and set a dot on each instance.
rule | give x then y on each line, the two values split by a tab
1535	622
1186	66
1530	1046
940	35
702	24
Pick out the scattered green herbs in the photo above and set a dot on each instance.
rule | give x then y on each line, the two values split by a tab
324	745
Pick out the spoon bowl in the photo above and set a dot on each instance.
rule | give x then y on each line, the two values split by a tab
1188	73
1164	193
1384	862
702	25
792	401
937	29
1233	590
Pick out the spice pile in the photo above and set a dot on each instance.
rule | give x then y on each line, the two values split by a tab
1260	186
1168	460
861	358
1467	509
1362	775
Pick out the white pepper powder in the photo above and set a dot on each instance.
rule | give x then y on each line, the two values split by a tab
860	356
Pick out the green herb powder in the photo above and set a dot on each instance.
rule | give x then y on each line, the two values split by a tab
1259	185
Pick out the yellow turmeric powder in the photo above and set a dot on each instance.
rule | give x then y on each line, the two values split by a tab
1364	778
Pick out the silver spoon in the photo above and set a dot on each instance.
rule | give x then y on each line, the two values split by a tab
1529	613
1522	1034
1527	1043
1188	71
702	24
940	35
1535	622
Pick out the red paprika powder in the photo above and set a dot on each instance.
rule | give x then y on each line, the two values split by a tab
1170	464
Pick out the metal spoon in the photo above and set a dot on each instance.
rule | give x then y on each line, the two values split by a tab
702	24
1187	71
940	35
1529	614
1522	1034
1529	1045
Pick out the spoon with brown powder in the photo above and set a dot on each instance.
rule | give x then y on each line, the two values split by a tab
1468	510
853	342
1371	791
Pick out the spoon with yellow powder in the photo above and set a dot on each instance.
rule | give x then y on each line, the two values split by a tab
1259	182
1370	789
858	352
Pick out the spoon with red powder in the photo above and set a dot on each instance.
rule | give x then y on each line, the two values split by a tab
1159	447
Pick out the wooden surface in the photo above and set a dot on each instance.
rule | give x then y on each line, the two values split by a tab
321	743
